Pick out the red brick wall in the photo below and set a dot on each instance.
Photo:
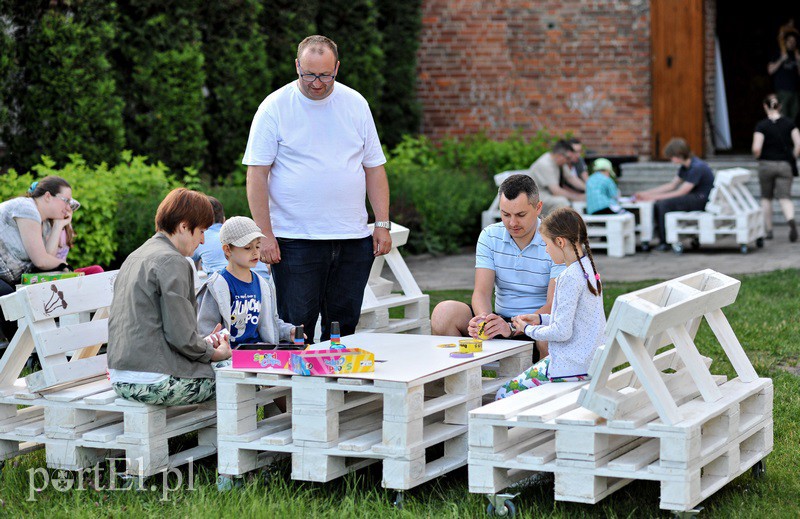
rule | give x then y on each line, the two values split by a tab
561	65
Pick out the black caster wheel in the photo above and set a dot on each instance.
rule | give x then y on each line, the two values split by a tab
677	248
695	244
743	249
759	242
645	246
759	469
398	500
507	510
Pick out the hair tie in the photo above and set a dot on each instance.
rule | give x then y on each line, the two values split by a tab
597	277
585	275
33	187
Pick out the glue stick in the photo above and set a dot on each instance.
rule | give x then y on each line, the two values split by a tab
336	337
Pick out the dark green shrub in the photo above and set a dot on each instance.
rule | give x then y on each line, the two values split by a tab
399	24
439	191
64	98
352	24
162	77
286	23
237	79
233	199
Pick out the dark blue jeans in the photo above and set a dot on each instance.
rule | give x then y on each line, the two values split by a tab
322	276
690	202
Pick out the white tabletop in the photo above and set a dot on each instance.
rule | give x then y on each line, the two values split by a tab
407	358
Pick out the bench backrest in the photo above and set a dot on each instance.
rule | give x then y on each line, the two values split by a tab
730	196
56	318
643	321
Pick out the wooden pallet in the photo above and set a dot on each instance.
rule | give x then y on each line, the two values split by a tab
71	408
730	213
615	233
664	417
642	212
335	425
380	297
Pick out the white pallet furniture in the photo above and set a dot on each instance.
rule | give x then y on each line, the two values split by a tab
615	233
492	215
70	407
664	418
379	296
417	397
731	212
642	211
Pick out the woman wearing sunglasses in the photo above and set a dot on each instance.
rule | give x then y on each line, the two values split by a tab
31	228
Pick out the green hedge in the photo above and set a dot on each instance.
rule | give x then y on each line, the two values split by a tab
439	191
180	81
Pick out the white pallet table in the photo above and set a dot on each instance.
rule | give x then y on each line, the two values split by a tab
613	232
664	417
730	213
379	297
71	408
417	397
642	212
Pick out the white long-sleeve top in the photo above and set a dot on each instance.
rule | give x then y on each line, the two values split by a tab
575	327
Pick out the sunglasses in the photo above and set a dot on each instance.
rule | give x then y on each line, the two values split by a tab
73	204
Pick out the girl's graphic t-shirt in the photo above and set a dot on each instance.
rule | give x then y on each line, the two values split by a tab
245	308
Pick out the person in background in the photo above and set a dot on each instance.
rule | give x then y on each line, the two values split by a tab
785	72
30	228
547	173
209	256
602	194
688	191
776	145
575	173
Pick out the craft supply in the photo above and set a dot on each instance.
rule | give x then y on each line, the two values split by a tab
446	345
299	338
459	355
470	345
336	337
482	331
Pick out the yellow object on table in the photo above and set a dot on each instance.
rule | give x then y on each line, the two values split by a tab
470	346
482	331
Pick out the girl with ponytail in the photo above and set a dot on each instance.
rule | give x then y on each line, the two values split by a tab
575	327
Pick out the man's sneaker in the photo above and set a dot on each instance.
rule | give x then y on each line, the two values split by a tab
769	235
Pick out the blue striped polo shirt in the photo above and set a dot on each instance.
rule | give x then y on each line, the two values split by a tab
521	277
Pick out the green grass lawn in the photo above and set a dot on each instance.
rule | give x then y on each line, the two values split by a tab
766	319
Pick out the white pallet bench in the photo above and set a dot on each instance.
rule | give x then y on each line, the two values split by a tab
338	424
615	233
71	408
730	213
642	212
663	418
379	297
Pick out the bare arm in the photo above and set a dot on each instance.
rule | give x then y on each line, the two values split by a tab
378	194
796	141
52	240
758	143
667	187
773	66
569	194
258	200
31	233
482	295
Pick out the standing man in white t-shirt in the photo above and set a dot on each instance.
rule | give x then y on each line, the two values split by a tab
313	156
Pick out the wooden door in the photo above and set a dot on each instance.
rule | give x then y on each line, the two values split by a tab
677	32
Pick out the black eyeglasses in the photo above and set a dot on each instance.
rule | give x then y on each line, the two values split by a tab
310	78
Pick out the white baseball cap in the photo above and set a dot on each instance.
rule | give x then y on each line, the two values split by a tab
239	231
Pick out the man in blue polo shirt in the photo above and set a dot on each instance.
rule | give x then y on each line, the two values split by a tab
511	262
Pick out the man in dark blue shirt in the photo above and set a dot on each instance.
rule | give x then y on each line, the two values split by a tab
688	191
785	74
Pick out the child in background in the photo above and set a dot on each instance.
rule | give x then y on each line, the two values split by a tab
243	302
65	242
575	327
601	191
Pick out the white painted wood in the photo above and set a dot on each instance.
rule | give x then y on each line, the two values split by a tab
733	349
694	363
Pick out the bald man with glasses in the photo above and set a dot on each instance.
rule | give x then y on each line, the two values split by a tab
313	157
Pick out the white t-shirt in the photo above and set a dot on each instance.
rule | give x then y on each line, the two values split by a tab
318	151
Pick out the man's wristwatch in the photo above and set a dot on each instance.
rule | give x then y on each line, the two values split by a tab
386	225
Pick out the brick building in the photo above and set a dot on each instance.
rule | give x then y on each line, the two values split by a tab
623	75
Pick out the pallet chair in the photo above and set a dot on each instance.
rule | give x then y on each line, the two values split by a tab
664	417
642	212
71	408
731	212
